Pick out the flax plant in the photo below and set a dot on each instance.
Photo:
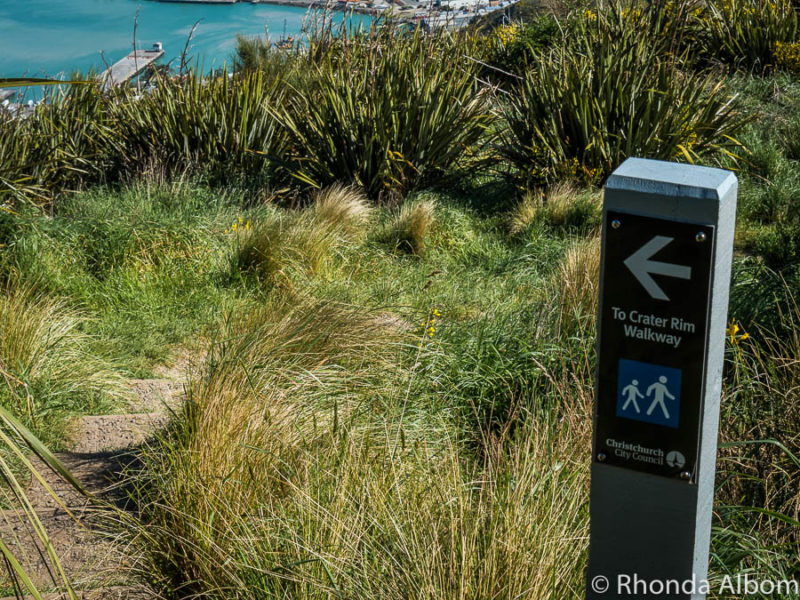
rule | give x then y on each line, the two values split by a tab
746	33
17	443
217	124
615	88
381	112
65	144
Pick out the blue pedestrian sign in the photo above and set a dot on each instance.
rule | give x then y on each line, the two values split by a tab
648	392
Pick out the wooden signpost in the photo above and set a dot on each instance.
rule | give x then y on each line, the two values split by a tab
665	274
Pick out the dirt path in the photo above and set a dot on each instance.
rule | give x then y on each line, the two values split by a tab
100	451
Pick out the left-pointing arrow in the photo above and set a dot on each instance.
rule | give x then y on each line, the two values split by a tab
642	267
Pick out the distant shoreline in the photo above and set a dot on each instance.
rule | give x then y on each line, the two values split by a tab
297	3
337	6
435	18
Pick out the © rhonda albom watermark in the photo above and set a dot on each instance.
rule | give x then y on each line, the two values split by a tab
741	584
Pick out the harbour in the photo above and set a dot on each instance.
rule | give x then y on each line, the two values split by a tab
89	36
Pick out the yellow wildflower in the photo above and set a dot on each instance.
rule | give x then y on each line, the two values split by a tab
732	331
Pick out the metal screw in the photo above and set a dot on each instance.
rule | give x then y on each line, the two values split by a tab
616	223
686	475
700	237
602	456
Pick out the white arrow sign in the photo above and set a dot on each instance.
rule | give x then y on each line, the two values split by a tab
642	267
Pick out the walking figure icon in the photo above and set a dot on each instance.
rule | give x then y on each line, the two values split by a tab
659	390
631	393
662	394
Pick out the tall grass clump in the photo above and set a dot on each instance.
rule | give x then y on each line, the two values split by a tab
302	469
46	362
341	207
380	112
410	226
762	439
277	246
746	33
576	283
616	87
563	207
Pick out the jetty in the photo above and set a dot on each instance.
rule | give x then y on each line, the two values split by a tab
130	66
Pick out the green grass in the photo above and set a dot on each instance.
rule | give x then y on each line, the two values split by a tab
396	397
149	263
346	374
769	219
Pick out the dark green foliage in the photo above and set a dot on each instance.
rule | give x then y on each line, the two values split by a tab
608	93
761	296
68	141
252	53
744	33
381	112
769	217
222	125
512	48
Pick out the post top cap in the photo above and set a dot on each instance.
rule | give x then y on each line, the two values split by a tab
672	179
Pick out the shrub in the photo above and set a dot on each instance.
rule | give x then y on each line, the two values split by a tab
209	125
787	56
66	143
609	93
381	113
746	33
511	48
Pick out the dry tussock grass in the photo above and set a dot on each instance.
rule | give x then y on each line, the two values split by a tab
298	475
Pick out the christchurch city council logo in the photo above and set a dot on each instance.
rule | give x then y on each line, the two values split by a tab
676	459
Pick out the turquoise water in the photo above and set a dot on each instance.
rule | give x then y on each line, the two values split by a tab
49	37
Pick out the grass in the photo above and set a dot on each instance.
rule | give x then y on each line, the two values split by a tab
148	263
361	406
409	228
46	360
353	487
397	392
